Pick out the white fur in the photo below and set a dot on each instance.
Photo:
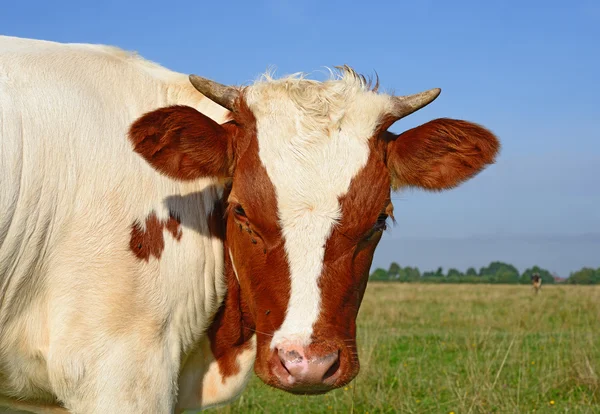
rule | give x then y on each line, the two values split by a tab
82	319
313	139
205	372
233	266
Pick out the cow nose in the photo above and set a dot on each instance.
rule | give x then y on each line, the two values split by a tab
299	373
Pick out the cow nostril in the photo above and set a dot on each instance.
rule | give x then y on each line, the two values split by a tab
333	368
282	362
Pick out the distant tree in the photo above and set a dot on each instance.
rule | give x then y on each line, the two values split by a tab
397	273
428	277
471	272
379	274
498	267
401	275
454	273
496	272
394	271
473	279
547	278
454	276
507	276
412	274
487	279
499	272
585	276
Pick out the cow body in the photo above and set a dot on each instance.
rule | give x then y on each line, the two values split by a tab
79	312
161	235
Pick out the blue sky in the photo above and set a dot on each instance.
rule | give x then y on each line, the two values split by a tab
529	71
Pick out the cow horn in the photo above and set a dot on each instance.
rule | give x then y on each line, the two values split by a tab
406	105
222	94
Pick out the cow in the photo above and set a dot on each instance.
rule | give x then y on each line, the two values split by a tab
536	282
163	234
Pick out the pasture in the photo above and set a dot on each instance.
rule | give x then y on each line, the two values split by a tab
463	349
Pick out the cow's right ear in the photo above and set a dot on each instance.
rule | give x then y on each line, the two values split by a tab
184	144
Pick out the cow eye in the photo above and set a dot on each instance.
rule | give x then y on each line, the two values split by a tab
239	211
380	225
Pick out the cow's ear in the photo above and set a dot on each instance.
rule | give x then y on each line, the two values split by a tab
440	154
184	144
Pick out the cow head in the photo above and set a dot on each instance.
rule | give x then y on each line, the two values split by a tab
311	167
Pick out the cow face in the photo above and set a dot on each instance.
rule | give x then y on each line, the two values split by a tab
312	165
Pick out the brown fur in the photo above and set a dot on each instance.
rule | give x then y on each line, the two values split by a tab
440	154
184	144
151	242
232	327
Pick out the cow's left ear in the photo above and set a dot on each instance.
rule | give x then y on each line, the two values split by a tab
184	144
440	154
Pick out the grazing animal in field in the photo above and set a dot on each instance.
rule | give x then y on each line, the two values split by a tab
536	282
161	235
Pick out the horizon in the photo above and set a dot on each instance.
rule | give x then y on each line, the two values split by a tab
412	252
526	72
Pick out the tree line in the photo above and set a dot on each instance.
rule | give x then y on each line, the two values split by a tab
496	272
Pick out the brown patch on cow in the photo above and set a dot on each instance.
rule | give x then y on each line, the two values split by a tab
150	241
440	154
232	328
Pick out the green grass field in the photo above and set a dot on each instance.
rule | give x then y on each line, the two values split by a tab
463	349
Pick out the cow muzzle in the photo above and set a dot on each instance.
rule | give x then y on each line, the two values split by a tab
306	370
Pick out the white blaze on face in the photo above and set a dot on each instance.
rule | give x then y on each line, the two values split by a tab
313	140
